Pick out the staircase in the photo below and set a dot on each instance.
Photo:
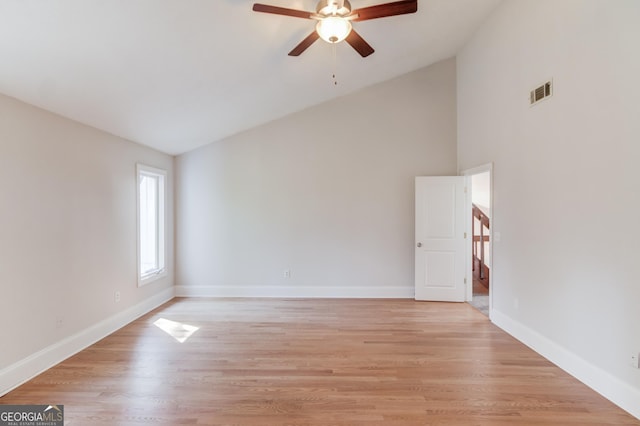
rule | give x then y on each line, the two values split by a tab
480	226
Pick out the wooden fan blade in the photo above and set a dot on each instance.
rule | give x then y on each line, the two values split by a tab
388	9
358	43
257	7
304	44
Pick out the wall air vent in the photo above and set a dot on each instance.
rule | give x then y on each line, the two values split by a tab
540	93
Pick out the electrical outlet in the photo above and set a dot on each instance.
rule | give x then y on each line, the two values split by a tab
59	322
116	296
287	273
635	360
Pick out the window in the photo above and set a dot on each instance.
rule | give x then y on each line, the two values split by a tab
151	224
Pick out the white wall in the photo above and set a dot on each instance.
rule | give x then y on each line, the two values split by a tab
326	193
68	231
481	191
566	198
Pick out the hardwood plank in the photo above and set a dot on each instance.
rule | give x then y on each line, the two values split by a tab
315	362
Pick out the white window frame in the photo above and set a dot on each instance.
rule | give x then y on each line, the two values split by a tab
161	271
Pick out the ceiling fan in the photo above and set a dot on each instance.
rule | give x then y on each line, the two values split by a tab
334	21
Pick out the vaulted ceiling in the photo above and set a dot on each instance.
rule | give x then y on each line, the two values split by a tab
178	74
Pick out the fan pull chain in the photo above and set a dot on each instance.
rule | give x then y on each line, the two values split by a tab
335	65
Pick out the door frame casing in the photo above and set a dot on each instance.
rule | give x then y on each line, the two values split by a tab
468	173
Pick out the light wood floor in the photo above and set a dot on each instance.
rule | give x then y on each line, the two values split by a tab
316	362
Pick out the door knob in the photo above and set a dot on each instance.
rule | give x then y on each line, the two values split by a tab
419	244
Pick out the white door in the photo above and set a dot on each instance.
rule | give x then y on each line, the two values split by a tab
440	238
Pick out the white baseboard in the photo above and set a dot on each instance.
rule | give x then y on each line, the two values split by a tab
620	393
297	292
22	371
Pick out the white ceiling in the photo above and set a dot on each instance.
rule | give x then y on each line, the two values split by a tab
178	74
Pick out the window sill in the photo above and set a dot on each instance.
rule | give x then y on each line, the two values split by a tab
148	279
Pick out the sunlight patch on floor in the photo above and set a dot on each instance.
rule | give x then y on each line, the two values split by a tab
179	331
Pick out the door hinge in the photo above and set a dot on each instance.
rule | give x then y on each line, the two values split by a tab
465	280
465	189
465	235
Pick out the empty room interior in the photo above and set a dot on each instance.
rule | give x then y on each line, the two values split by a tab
200	225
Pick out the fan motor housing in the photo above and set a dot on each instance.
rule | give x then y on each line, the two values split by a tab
332	7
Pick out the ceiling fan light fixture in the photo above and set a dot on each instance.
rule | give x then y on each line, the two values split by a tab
334	21
333	29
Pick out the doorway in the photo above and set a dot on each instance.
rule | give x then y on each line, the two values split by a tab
480	247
